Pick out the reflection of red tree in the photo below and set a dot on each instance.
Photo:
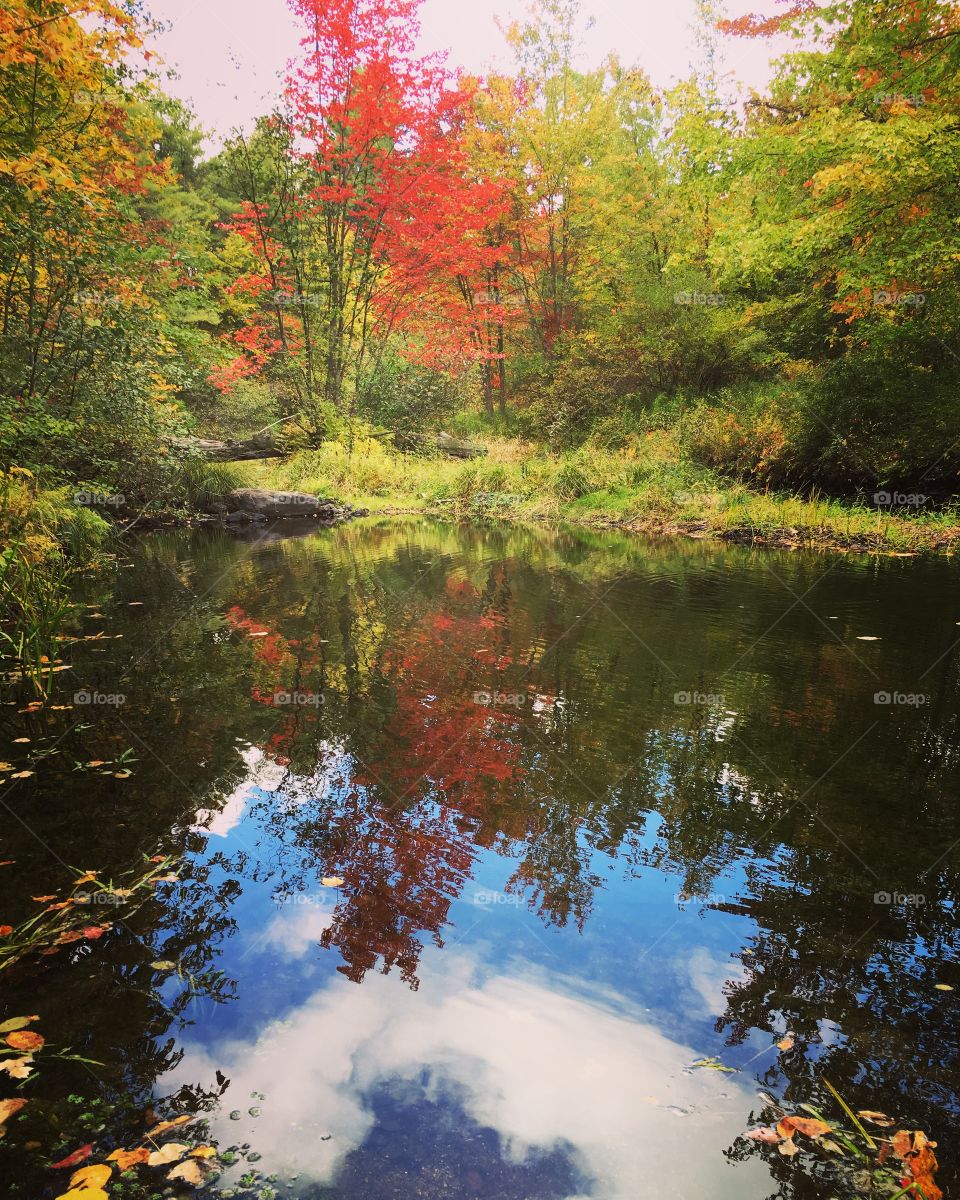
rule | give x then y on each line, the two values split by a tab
440	741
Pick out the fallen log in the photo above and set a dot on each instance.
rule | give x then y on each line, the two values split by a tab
214	451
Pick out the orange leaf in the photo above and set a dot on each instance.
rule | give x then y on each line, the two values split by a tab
24	1039
74	1159
125	1159
8	1108
808	1126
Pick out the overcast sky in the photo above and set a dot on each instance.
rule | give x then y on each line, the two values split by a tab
228	53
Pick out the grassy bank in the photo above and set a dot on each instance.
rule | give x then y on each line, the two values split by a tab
649	486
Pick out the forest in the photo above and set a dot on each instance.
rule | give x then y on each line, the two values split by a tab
680	305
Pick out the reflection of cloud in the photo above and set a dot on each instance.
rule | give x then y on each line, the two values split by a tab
298	926
711	978
263	774
538	1064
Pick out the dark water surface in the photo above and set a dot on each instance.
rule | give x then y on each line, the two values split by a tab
600	808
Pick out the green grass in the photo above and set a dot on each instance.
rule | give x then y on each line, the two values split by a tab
649	485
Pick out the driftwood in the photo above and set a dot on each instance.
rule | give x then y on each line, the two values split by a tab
214	451
260	446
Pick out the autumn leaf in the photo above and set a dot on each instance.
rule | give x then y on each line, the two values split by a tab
786	1043
6	930
916	1151
875	1118
9	1108
167	1154
808	1126
332	881
17	1068
17	1023
171	1124
203	1152
763	1133
74	1159
125	1159
190	1172
24	1040
91	1177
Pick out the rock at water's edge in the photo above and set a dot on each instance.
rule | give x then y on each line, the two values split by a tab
255	504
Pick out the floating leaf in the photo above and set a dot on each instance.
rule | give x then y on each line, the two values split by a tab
788	1148
24	1039
786	1043
943	987
763	1134
808	1126
203	1152
17	1068
875	1118
712	1064
164	964
84	1193
74	1159
91	1177
332	881
917	1153
167	1154
171	1124
125	1159
21	775
17	1023
190	1172
9	1108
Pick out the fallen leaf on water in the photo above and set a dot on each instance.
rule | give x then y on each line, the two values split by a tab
43	899
788	1148
21	741
712	1064
164	964
943	987
865	637
917	1153
808	1126
21	775
190	1172
71	935
203	1152
92	932
24	1040
875	1118
84	1193
87	877
125	1159
97	762
6	930
171	1124
17	1068
91	1177
9	1108
332	881
786	1043
122	774
74	1159
167	1154
764	1134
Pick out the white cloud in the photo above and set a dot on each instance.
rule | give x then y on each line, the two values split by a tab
537	1062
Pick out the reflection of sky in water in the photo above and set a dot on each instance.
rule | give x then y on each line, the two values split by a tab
542	1047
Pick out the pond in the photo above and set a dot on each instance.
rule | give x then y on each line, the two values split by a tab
505	858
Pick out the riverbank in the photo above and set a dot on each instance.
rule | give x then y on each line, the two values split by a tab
650	488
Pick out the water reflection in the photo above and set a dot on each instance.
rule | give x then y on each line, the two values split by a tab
643	794
581	1085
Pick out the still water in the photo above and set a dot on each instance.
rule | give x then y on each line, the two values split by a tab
485	837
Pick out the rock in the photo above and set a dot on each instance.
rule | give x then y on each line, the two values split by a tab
255	504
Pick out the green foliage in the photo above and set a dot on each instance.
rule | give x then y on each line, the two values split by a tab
404	396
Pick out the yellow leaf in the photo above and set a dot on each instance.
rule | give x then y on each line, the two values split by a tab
91	1177
189	1172
167	1154
203	1152
125	1159
332	881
